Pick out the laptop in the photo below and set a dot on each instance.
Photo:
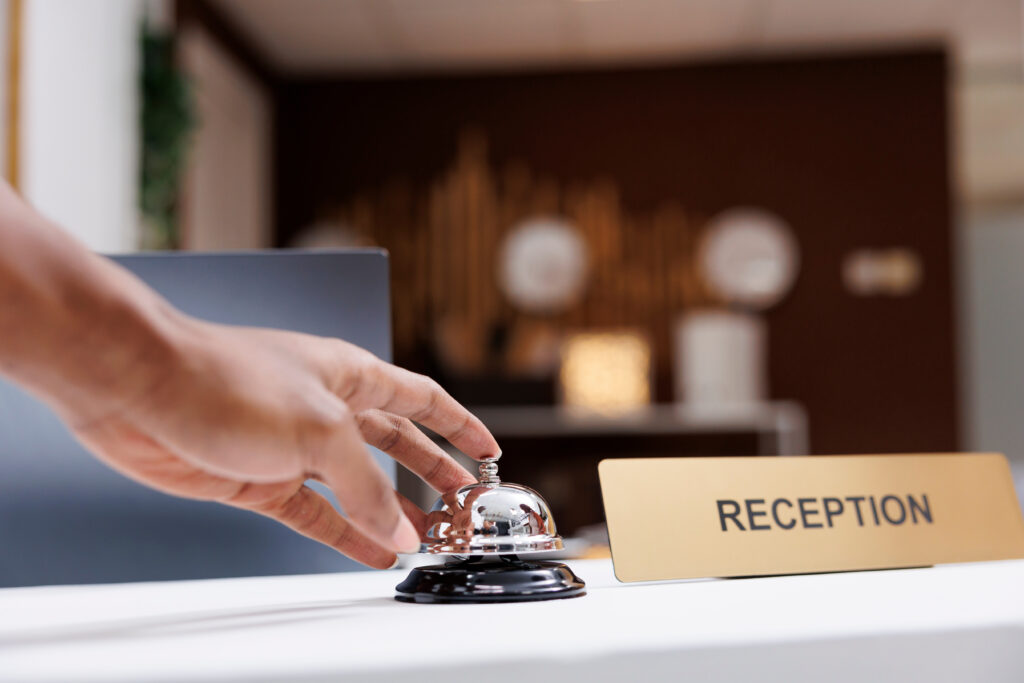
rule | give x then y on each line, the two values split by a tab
67	518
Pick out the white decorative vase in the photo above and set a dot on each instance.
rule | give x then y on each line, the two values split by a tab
720	359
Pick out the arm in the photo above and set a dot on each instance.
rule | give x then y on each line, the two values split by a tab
242	416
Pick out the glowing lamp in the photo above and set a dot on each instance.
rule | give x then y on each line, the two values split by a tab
606	372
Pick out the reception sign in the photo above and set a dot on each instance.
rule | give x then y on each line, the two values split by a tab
675	518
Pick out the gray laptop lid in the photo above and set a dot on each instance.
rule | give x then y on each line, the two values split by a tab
66	518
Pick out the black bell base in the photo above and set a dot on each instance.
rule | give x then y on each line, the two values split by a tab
475	580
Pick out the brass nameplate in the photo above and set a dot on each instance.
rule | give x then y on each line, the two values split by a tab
678	518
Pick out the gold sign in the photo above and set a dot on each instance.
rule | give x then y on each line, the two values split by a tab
678	518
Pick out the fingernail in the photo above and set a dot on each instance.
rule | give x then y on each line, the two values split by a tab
395	563
405	539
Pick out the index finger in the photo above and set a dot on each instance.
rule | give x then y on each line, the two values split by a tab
380	385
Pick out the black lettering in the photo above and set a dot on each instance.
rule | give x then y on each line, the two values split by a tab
751	514
915	507
829	511
885	510
874	510
804	512
775	513
856	500
723	515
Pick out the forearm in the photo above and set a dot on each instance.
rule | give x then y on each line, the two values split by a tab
75	329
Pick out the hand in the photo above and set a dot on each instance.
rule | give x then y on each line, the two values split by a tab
235	415
245	416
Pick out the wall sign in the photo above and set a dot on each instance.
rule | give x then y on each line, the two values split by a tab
676	518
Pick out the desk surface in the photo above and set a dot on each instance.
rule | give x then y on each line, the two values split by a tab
956	622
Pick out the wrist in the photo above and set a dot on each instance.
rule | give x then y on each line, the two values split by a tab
75	329
132	349
94	348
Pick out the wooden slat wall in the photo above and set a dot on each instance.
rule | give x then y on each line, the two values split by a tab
445	242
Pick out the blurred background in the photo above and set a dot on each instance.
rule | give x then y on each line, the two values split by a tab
616	227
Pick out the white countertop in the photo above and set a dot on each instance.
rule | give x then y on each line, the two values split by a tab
955	622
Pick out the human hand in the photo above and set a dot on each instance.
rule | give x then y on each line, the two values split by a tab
244	416
237	415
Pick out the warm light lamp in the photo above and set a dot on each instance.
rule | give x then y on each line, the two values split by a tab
607	372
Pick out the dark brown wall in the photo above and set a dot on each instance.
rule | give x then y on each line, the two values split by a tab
852	152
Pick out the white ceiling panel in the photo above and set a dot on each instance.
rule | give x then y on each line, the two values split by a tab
486	32
827	22
317	35
664	27
990	140
989	33
416	35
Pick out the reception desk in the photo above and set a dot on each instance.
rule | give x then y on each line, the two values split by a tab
954	623
948	623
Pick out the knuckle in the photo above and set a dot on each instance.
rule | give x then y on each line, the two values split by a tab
241	496
437	470
317	431
301	513
340	415
345	538
362	384
432	385
348	541
365	420
393	435
380	429
434	393
262	498
379	511
444	474
353	378
462	429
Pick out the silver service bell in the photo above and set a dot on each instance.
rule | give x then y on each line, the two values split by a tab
490	518
482	528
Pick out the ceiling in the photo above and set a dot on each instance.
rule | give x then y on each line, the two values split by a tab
373	36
